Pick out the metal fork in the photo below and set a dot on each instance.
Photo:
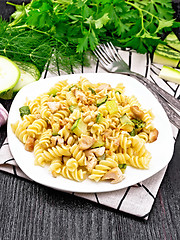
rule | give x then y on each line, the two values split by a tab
111	61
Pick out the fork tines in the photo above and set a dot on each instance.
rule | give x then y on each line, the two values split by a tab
107	53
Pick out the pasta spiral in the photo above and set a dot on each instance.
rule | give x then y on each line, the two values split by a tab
79	155
55	167
36	127
55	152
139	162
102	168
77	175
45	138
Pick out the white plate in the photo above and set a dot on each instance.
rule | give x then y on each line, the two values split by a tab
161	150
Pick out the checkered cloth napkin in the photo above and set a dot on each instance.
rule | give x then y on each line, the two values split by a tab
138	199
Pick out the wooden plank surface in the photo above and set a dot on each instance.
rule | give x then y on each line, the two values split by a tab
31	211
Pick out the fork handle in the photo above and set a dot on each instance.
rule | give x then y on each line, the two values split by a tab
150	85
174	118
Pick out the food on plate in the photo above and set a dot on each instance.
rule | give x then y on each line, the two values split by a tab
170	74
87	130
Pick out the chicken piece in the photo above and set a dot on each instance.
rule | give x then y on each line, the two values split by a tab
153	135
86	142
137	113
88	153
97	151
29	145
56	140
91	163
115	174
103	86
54	106
80	95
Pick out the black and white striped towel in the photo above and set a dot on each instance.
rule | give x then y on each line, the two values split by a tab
136	200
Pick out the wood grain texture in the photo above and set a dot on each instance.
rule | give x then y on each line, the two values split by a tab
33	212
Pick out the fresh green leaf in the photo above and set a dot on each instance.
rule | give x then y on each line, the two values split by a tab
164	24
65	30
82	43
99	23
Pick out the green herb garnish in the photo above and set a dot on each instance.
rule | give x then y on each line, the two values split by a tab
138	125
133	132
122	166
24	111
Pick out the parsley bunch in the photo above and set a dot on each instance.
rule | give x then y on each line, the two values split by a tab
66	29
